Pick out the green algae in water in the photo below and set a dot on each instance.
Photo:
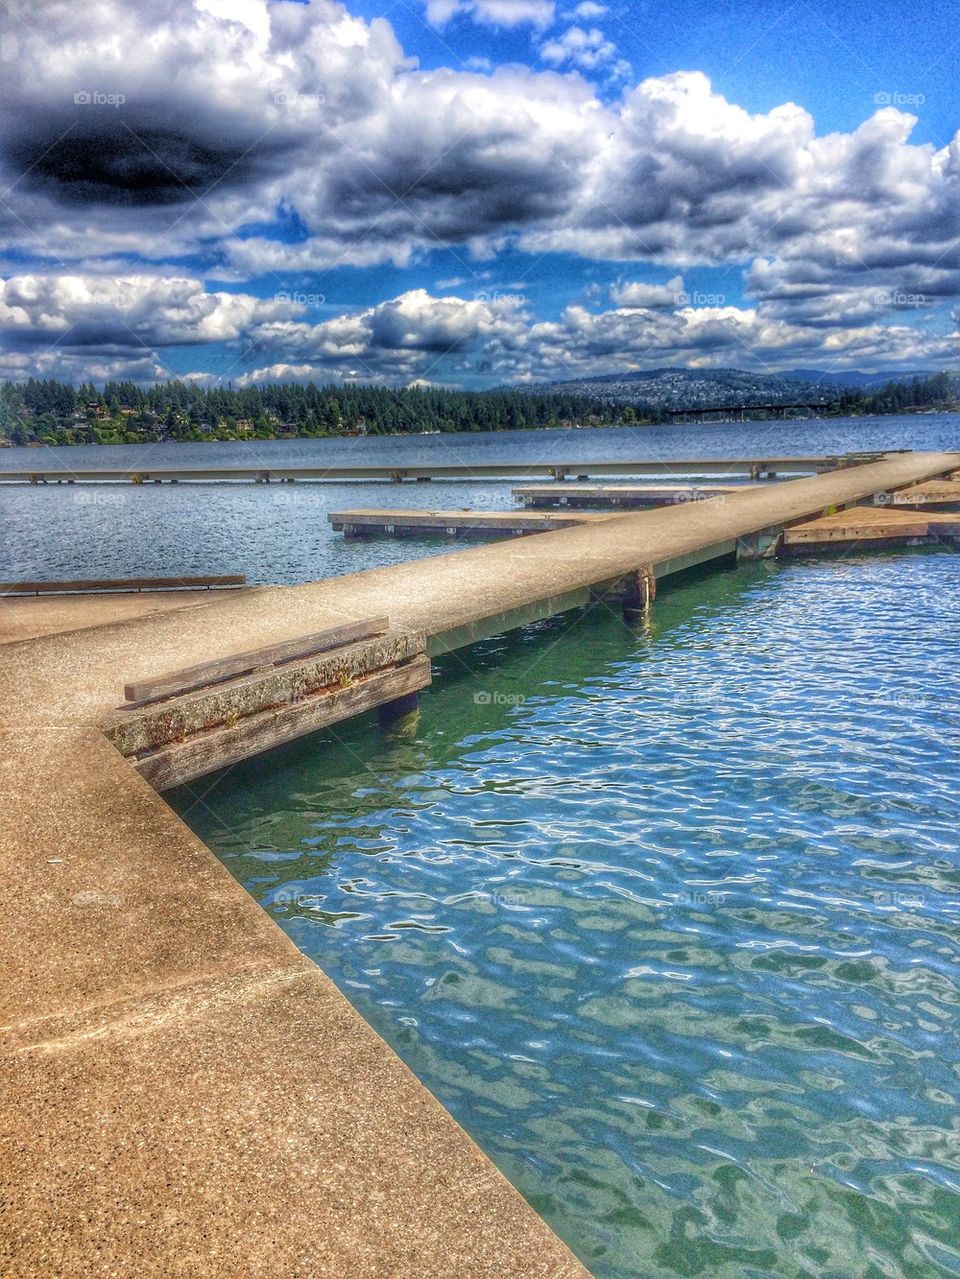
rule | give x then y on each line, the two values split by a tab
668	917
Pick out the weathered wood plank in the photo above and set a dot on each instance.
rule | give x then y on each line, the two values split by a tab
931	493
203	753
872	524
399	523
624	496
224	668
140	727
103	584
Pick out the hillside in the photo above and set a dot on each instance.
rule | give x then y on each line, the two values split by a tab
669	388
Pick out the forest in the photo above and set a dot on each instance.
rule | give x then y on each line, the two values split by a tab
57	413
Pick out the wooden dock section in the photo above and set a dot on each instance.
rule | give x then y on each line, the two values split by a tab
942	494
871	528
625	497
754	468
457	524
185	1089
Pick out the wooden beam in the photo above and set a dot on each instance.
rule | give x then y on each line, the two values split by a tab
180	762
224	668
103	584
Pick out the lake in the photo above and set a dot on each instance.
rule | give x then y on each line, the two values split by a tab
667	915
280	533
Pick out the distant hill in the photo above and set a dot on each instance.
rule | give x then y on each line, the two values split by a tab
668	388
853	378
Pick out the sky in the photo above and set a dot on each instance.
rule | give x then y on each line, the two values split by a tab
476	192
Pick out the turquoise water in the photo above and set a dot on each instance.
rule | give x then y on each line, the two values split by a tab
668	917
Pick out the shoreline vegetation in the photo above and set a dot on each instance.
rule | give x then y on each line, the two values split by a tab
37	413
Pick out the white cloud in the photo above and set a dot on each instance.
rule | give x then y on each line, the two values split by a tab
127	311
649	296
234	109
588	50
493	13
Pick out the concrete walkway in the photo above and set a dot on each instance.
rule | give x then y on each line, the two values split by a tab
188	1094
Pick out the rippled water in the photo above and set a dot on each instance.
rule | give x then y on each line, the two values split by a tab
669	918
281	534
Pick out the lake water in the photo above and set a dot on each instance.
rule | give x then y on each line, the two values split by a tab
280	533
668	916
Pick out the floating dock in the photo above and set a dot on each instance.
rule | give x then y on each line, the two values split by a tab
941	494
466	524
624	497
753	468
183	1086
871	528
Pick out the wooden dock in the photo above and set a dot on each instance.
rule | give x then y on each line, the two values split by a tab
181	1082
123	585
754	468
871	525
871	528
365	523
626	497
942	494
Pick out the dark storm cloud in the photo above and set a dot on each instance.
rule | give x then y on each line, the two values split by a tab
147	132
134	156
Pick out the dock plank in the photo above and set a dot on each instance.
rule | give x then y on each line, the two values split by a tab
220	669
623	496
942	493
872	524
183	761
389	522
103	585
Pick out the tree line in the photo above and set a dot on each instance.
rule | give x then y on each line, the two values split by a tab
46	411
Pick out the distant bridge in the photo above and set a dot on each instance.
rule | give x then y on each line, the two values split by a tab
738	410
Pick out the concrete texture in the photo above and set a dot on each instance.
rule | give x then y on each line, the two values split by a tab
186	1093
26	617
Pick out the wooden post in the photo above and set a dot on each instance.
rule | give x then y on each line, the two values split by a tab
641	591
400	718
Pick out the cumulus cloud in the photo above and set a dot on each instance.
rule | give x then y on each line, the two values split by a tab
126	311
493	13
135	136
97	327
587	49
649	296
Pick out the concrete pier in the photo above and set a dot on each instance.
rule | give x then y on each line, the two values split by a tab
186	1092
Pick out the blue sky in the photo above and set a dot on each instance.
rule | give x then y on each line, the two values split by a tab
473	192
